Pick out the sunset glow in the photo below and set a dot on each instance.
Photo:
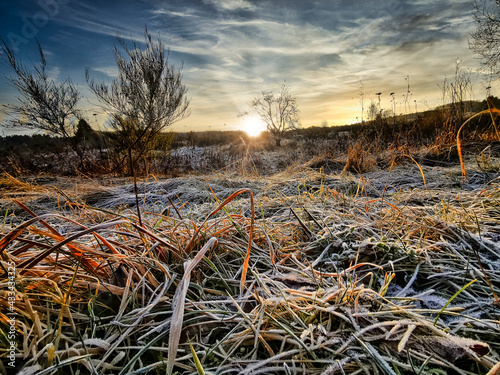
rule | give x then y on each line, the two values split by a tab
334	55
253	126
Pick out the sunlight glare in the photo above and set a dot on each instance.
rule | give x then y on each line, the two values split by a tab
253	126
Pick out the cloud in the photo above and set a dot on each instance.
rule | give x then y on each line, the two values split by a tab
110	71
53	73
233	49
231	4
10	120
323	50
170	13
11	126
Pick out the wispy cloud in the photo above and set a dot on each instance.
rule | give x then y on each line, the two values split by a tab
233	49
230	4
110	71
53	73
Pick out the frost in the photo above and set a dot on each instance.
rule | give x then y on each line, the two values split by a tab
433	302
94	342
31	370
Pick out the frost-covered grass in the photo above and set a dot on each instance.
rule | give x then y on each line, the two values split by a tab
379	273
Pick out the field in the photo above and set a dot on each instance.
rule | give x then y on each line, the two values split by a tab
336	211
322	267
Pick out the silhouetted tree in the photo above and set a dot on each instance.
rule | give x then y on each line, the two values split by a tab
486	39
147	96
43	104
86	137
279	111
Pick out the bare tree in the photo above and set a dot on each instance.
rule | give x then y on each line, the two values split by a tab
147	96
279	111
486	39
43	104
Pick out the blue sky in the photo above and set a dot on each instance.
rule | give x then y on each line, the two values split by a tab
231	50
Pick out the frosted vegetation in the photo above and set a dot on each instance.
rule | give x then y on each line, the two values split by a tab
391	271
369	249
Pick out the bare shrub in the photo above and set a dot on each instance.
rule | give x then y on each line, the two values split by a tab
147	97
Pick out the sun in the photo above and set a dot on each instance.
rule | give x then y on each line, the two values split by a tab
253	126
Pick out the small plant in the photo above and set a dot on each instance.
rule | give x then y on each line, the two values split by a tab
147	97
359	160
485	162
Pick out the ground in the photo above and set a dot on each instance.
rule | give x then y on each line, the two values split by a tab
392	271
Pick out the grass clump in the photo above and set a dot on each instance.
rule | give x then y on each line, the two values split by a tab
315	274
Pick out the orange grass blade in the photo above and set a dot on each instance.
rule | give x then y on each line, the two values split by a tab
16	232
43	222
420	169
459	143
99	237
33	262
250	239
76	251
87	262
380	200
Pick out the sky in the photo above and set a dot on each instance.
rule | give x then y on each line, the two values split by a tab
330	53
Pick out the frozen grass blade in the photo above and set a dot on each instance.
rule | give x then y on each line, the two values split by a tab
495	370
405	337
250	236
62	364
153	341
382	363
178	304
